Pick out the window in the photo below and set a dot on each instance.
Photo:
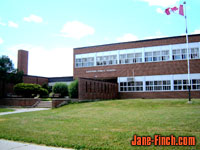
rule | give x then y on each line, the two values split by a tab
131	86
183	84
157	56
148	56
130	58
194	53
78	62
180	54
85	62
158	85
149	85
106	60
195	84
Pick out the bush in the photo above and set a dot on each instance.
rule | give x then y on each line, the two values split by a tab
73	89
43	92
29	90
61	88
45	86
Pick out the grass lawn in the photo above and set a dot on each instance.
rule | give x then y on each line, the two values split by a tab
5	109
105	124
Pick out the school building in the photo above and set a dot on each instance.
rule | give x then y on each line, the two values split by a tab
154	68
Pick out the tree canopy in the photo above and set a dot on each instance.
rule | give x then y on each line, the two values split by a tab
7	71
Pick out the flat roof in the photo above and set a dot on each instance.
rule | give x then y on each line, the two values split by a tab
163	38
61	79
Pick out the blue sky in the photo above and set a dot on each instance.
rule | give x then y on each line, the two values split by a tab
50	29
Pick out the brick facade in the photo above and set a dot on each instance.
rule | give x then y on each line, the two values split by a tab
170	94
137	44
22	102
22	63
35	79
140	69
94	89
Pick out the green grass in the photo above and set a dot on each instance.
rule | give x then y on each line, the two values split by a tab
105	124
5	109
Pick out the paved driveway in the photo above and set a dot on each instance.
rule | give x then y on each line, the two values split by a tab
11	145
21	110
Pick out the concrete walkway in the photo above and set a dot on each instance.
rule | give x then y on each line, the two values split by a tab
21	110
11	145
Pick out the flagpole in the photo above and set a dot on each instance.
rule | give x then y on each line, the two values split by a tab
188	58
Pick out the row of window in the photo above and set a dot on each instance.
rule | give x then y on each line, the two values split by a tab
154	56
106	60
157	56
164	85
85	62
183	84
130	58
179	54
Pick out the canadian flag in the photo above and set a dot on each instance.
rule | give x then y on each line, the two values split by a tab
174	9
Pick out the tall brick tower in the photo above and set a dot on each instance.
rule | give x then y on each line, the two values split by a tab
22	63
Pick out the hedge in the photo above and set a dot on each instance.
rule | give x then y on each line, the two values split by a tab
73	89
29	90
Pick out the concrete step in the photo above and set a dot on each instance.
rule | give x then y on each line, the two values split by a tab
44	104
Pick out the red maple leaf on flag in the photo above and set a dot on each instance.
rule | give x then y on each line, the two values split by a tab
174	9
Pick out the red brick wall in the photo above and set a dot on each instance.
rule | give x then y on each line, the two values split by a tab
57	102
22	64
137	44
93	89
170	94
8	88
35	80
18	101
140	69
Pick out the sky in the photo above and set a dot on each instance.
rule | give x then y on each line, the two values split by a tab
50	29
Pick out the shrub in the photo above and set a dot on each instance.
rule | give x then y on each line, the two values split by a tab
73	89
29	90
43	92
61	88
45	86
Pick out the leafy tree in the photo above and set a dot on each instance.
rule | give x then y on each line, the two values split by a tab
6	66
61	88
8	74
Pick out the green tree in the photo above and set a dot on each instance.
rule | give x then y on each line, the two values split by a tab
8	74
61	88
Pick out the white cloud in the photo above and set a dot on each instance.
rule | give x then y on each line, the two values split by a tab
12	24
76	30
127	37
1	40
33	18
2	24
196	31
45	62
159	10
163	3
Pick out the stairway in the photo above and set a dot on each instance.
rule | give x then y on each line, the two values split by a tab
44	104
